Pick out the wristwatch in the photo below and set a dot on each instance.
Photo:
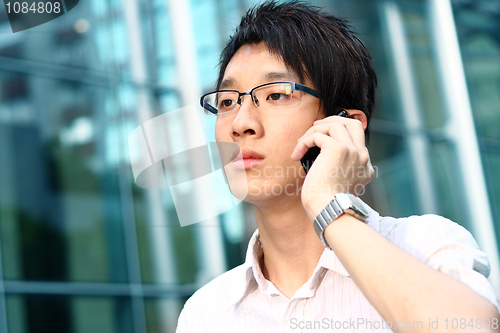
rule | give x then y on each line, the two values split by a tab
340	204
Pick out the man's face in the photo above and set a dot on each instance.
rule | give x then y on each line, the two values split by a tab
272	133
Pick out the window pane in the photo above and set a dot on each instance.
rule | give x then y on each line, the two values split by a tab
64	314
60	204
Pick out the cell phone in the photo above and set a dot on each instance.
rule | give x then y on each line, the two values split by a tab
313	152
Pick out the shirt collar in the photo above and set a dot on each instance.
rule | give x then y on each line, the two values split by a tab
252	272
251	268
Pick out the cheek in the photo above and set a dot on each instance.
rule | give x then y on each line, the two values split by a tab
291	132
221	130
288	138
218	136
285	141
288	135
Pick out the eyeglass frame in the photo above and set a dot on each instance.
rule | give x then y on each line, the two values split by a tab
295	86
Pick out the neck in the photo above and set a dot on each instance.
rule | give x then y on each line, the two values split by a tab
291	247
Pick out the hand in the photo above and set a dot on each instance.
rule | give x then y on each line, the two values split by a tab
343	164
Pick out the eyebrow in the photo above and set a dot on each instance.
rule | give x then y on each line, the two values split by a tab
227	83
267	77
275	76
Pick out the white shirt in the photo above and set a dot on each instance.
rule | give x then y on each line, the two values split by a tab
242	300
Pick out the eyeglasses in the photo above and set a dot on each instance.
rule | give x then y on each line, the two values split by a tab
263	96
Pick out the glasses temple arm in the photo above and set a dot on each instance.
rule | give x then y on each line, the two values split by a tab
306	89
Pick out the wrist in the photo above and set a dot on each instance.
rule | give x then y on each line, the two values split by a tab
315	206
341	204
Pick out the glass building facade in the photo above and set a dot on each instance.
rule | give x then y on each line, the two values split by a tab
84	249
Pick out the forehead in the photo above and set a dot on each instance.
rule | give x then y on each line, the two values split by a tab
253	63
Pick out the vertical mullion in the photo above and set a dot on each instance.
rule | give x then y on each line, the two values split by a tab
417	142
3	306
462	131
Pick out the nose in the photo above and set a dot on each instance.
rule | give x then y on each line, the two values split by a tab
247	120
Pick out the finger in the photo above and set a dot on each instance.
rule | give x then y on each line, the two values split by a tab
369	167
335	130
312	128
329	119
357	132
316	139
354	127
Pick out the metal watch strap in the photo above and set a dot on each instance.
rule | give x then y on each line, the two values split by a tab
338	206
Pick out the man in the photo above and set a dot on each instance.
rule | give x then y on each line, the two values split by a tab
285	74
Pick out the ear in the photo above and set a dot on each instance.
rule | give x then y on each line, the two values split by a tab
359	115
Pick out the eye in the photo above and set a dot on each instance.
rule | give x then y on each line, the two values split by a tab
227	103
276	97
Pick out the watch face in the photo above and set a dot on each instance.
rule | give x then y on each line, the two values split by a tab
359	207
349	201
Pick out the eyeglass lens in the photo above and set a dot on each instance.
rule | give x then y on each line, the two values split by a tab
266	96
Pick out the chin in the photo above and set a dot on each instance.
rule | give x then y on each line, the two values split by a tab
258	190
237	182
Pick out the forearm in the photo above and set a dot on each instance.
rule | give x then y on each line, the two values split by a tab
399	286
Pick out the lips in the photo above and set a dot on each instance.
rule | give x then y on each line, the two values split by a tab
247	159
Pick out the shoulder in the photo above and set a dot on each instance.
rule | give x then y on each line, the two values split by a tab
224	287
212	301
445	246
425	234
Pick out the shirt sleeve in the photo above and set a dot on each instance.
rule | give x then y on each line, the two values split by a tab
190	320
205	310
182	323
450	248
